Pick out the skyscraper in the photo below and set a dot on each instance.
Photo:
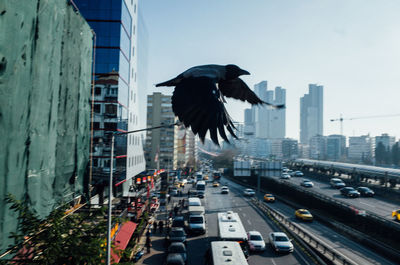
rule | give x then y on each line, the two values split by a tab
311	113
160	142
269	123
115	26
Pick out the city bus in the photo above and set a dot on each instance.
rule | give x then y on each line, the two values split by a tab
225	252
230	228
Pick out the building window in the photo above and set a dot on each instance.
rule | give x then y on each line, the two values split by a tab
97	108
96	125
110	125
111	109
97	90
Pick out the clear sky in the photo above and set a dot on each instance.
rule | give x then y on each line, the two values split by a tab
351	47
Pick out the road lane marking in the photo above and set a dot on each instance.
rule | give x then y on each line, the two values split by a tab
248	221
244	215
370	205
273	261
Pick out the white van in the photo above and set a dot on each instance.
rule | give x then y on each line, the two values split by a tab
194	202
196	220
200	188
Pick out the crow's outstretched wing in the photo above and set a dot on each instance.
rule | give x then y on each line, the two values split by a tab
196	102
238	89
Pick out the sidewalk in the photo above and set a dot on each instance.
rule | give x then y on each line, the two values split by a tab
158	250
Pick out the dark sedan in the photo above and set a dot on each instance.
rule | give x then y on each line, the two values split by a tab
349	192
365	191
177	234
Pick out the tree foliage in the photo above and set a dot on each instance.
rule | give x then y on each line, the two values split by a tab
225	159
60	238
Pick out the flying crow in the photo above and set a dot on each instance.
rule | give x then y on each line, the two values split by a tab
199	102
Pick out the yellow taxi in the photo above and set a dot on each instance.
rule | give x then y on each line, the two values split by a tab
177	184
215	184
303	214
396	215
205	177
269	197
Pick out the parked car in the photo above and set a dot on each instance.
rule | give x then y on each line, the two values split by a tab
178	248
349	192
298	174
303	214
285	176
280	242
269	197
255	241
307	183
366	192
249	192
337	183
224	190
174	259
179	221
177	234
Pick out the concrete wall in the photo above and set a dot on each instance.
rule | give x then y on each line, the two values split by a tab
45	74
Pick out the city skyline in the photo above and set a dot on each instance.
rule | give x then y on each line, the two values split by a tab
351	47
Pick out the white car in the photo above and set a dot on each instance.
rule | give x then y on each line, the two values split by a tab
249	192
307	183
224	190
285	176
255	241
280	242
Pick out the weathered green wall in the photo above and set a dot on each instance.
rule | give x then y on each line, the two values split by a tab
45	74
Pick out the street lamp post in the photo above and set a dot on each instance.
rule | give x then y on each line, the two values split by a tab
109	217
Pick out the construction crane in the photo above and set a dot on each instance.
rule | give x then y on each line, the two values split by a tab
341	119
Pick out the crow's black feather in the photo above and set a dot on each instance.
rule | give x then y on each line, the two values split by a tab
199	104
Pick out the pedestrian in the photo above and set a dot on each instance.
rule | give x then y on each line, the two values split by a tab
176	209
169	199
170	214
148	233
148	244
161	226
155	226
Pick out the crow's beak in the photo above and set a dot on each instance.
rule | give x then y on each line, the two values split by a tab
244	72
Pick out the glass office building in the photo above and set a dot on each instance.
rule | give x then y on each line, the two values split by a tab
114	23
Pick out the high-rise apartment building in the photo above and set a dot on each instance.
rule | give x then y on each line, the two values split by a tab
318	147
159	142
185	148
311	113
335	147
290	148
248	128
361	148
116	102
269	123
386	140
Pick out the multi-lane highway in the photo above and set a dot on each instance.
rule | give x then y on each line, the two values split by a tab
253	219
374	205
350	249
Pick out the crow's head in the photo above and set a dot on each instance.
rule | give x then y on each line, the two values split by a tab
233	71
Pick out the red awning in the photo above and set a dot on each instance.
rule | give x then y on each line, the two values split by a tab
121	240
